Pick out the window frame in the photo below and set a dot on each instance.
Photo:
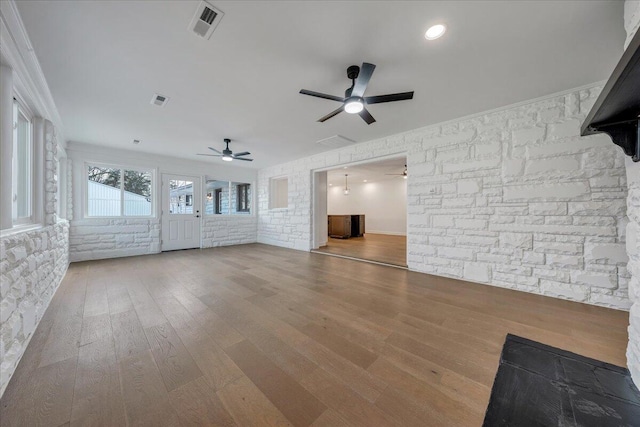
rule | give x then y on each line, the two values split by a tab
245	196
20	108
122	168
217	207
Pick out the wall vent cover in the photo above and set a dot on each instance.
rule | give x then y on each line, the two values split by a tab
335	141
205	20
159	100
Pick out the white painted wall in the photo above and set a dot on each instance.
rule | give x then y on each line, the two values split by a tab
96	238
383	203
513	198
632	22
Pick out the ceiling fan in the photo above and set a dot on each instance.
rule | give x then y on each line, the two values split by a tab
227	155
403	174
354	100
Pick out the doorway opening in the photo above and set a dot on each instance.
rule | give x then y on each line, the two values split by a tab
360	211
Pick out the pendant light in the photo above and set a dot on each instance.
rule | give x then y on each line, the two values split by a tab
346	185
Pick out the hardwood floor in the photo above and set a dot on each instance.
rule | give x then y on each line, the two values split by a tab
383	248
258	335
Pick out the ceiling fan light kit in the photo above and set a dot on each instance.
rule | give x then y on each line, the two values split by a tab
227	155
354	101
353	105
403	174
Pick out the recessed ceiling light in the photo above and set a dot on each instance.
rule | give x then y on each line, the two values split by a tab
345	167
364	180
136	141
435	31
330	185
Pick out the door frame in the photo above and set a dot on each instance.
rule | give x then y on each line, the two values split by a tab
199	206
319	188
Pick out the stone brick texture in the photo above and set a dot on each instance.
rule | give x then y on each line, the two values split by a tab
632	22
225	230
113	238
120	237
32	266
512	198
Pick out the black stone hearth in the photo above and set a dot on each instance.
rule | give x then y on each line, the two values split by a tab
539	385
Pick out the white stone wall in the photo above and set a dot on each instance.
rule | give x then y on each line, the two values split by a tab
225	230
632	22
512	198
96	238
50	174
113	238
32	267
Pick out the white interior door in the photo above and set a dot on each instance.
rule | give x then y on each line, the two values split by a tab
180	212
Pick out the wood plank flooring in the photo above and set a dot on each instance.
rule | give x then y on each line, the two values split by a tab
258	335
383	248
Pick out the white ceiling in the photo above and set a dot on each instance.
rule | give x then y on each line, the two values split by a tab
104	60
373	172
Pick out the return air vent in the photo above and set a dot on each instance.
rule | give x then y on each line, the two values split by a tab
159	100
205	20
335	141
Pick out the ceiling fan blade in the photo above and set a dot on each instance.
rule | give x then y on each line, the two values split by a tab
211	155
242	158
244	153
388	98
331	114
363	79
321	95
394	174
213	149
366	116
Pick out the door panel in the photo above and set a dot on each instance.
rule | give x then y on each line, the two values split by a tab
180	212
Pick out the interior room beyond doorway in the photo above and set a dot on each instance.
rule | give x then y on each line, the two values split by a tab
367	211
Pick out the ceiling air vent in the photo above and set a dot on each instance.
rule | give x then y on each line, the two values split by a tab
159	100
335	141
205	20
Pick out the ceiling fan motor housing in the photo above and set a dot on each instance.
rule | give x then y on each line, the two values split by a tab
353	71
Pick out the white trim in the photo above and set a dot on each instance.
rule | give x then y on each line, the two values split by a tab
16	49
400	154
316	251
387	233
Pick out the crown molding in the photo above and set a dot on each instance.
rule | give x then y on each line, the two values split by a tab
17	52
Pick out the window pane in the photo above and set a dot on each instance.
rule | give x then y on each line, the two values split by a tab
217	200
180	196
103	192
137	193
23	154
241	198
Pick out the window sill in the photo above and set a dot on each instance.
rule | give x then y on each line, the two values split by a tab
238	215
19	229
89	218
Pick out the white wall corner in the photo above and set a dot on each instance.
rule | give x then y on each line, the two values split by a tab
17	52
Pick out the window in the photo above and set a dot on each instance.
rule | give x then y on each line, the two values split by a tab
242	198
180	196
114	191
22	167
278	193
217	201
